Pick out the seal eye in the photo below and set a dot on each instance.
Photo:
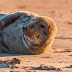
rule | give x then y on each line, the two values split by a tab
42	26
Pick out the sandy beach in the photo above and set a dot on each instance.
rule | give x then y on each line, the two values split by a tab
60	54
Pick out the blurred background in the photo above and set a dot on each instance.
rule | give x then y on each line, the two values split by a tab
41	7
59	10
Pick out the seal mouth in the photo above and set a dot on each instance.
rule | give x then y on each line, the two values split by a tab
26	41
29	43
34	43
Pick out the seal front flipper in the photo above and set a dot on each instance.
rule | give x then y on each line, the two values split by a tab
9	19
6	20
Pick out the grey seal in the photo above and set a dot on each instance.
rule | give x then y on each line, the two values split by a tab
26	33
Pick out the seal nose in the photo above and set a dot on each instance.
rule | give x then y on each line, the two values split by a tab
25	28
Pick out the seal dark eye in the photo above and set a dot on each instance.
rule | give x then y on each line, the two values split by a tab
42	26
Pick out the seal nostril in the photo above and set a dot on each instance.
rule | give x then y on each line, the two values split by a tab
37	36
25	28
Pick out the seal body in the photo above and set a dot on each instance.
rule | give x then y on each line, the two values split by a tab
25	36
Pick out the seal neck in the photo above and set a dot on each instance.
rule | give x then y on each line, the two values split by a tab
3	43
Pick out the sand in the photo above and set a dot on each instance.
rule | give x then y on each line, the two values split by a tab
60	55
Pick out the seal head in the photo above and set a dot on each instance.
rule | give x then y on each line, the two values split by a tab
40	34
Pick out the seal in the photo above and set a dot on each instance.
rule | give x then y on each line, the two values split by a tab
26	33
